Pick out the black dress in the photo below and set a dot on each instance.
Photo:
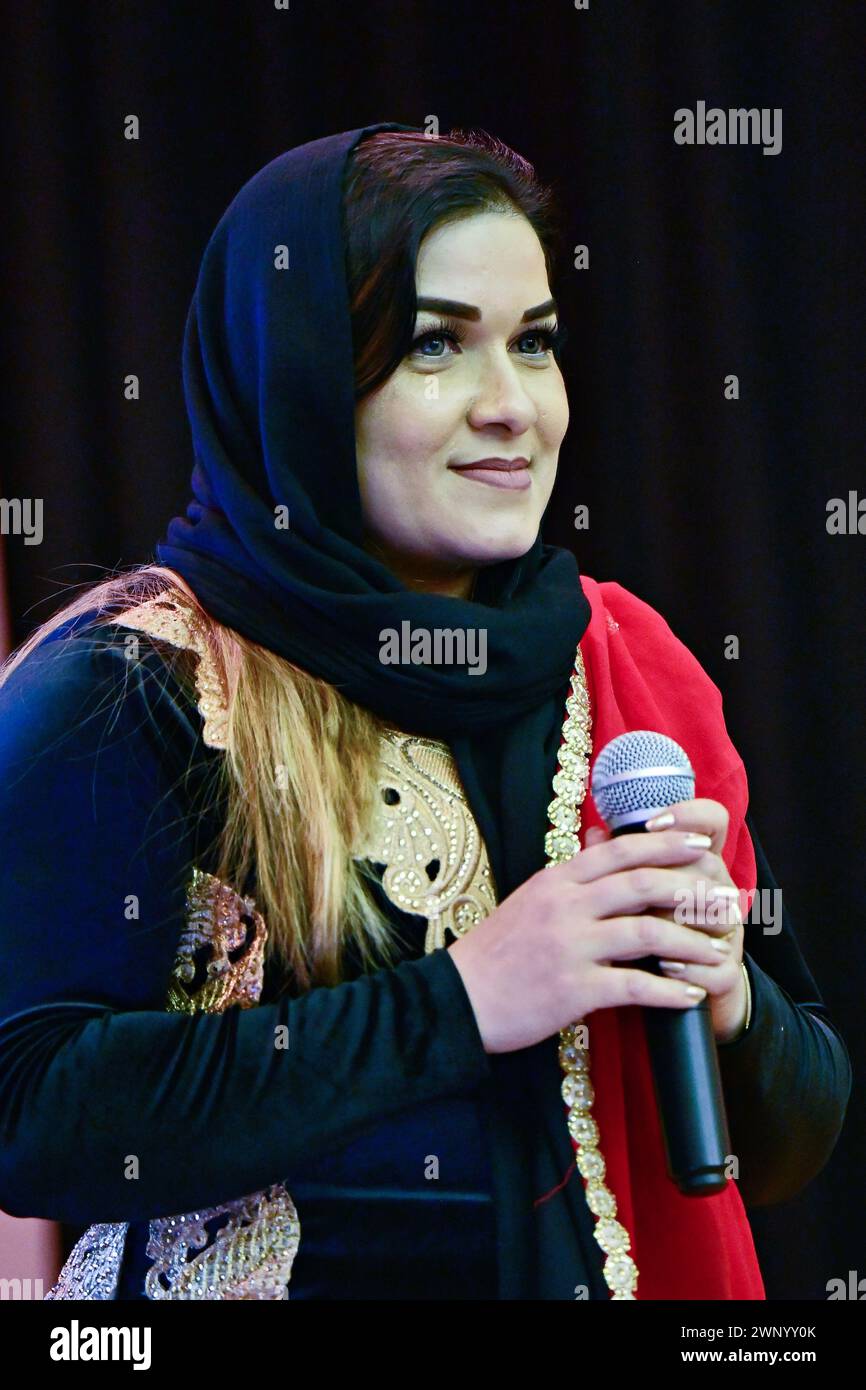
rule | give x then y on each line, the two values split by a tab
416	1160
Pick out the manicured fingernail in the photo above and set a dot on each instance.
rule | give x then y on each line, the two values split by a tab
672	964
661	822
721	945
693	838
695	991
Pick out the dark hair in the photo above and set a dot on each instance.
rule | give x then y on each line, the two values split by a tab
399	185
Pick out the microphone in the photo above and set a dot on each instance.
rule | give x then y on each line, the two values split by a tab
634	777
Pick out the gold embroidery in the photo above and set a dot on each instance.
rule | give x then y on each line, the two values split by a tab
168	619
425	834
251	1255
222	922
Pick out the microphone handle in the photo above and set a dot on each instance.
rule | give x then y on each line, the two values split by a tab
688	1087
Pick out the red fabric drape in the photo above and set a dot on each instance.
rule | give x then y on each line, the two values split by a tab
640	676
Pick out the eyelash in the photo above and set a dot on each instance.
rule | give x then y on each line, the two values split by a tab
450	328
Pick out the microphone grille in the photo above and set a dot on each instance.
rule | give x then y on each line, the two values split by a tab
639	773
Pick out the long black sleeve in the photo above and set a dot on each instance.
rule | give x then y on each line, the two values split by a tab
97	843
787	1079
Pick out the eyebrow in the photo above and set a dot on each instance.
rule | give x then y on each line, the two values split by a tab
471	311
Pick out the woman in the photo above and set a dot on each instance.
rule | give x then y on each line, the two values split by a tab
299	1020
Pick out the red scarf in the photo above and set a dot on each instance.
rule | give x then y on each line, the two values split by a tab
640	676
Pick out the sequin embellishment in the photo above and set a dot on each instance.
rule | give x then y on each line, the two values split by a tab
423	831
93	1267
250	1256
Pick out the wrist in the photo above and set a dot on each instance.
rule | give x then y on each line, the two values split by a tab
732	1033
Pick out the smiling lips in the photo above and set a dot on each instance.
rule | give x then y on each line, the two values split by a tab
511	474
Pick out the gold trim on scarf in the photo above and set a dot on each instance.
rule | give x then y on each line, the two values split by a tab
562	843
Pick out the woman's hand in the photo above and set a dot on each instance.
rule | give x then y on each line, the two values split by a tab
558	947
722	980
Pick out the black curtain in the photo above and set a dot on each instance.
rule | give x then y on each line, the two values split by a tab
705	261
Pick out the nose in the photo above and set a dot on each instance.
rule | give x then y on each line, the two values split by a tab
500	396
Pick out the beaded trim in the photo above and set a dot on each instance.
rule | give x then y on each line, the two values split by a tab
249	1257
92	1270
561	843
233	933
166	618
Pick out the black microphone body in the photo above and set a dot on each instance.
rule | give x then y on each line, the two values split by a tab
636	776
688	1087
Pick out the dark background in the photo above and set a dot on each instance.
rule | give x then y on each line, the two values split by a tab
704	261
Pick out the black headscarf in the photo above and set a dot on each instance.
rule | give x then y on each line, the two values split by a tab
268	380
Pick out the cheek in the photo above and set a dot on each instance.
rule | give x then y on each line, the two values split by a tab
553	413
403	430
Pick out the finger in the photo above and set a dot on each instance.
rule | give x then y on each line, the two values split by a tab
733	936
633	938
614	988
628	851
649	886
718	979
704	815
595	834
720	916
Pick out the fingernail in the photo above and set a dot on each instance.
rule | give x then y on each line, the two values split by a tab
721	945
661	822
672	964
695	991
693	838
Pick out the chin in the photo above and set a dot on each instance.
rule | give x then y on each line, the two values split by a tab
489	550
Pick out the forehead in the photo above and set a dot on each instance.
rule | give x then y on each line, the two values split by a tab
495	254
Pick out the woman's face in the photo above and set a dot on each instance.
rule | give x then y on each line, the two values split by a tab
496	394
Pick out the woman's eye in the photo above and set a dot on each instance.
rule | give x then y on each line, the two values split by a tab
432	337
542	337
